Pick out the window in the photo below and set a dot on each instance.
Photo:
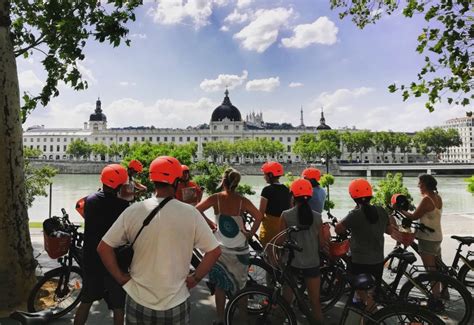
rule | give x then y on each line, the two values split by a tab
205	138
166	139
51	148
143	139
157	139
128	139
281	139
37	139
64	148
31	146
120	139
111	139
37	146
65	139
150	139
44	140
237	127
173	139
58	148
195	139
273	138
288	149
51	139
215	127
44	148
58	140
226	127
180	139
25	140
288	139
135	138
96	139
296	139
188	139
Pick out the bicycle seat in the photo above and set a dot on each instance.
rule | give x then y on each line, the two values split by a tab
466	240
362	281
40	317
409	257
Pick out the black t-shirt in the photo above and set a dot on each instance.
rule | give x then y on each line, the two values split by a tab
278	196
100	212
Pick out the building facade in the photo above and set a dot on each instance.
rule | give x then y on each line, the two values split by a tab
465	152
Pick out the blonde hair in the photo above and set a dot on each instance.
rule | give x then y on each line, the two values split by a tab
231	179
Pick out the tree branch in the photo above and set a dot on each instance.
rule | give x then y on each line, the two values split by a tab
29	47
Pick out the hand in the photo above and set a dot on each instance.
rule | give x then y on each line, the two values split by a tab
213	226
192	281
124	278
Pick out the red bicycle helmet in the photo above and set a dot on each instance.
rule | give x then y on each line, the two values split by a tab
311	173
185	168
301	187
135	165
273	167
165	169
360	188
114	175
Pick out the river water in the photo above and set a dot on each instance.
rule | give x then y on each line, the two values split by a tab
458	208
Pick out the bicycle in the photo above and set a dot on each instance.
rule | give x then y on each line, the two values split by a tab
267	305
59	290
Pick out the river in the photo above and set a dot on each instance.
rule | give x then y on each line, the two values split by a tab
458	203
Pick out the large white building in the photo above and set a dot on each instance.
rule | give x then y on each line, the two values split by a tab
465	152
226	123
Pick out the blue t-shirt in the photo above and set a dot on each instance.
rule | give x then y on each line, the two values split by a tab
317	200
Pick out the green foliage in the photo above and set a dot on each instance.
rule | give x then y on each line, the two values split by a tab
245	189
384	189
290	178
36	179
223	150
446	43
305	147
470	184
146	152
436	140
99	149
313	148
79	149
326	180
60	30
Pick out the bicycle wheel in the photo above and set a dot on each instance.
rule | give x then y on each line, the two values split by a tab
258	305
260	273
55	293
332	287
405	314
466	276
454	304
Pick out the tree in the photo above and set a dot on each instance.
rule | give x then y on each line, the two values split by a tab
363	142
114	151
36	179
305	146
382	142
446	42
59	30
470	184
99	149
404	143
436	140
79	149
384	189
349	142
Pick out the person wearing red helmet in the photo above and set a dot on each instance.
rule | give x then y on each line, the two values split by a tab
306	262
187	190
100	211
274	199
158	281
367	224
230	272
313	175
132	188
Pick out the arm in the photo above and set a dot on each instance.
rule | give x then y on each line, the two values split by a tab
140	187
340	228
263	205
256	215
425	206
209	259
283	226
107	255
206	204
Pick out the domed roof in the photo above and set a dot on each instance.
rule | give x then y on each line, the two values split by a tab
226	110
322	122
98	115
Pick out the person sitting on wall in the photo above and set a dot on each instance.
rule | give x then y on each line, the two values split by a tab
132	189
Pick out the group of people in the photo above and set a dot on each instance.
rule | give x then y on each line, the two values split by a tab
155	290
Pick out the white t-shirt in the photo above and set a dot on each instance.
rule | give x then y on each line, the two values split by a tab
163	250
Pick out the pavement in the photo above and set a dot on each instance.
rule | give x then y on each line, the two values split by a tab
202	303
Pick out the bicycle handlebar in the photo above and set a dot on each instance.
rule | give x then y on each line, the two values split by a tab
409	223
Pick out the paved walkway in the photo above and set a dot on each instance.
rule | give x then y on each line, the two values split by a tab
202	304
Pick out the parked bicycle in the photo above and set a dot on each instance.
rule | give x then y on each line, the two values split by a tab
59	290
262	305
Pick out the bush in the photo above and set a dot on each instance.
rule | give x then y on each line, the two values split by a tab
392	184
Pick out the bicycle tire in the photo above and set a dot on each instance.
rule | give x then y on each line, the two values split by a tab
459	310
264	307
397	313
466	276
48	285
259	272
332	287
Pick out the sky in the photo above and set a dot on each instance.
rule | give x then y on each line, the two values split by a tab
274	56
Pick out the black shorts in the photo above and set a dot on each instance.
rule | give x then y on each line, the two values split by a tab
312	272
99	286
376	270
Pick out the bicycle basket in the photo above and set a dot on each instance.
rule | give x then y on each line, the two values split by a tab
57	246
338	249
401	236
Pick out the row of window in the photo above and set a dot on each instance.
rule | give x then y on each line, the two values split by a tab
51	148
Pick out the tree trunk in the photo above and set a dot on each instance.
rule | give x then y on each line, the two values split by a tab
17	265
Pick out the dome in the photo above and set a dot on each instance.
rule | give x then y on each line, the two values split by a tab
98	116
322	122
226	110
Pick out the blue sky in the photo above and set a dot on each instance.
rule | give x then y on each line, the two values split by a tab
275	56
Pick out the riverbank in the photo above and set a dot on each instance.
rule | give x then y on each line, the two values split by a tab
352	170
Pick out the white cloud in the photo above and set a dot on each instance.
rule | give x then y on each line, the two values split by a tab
28	80
139	36
236	17
340	96
262	32
87	74
295	84
267	85
224	29
243	3
127	83
170	12
223	81
322	31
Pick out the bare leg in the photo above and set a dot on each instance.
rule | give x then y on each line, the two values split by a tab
288	294
313	286
82	313
220	303
429	261
119	317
